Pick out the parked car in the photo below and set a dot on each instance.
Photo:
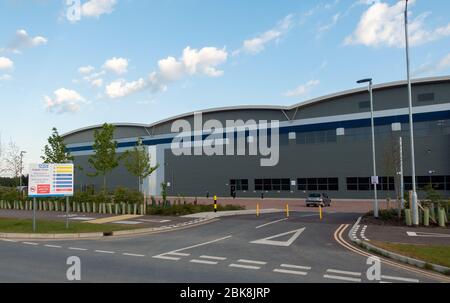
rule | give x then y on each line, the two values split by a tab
316	199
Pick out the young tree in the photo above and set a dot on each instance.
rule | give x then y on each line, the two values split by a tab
137	162
13	161
55	151
105	158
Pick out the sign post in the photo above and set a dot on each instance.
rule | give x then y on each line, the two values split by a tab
50	180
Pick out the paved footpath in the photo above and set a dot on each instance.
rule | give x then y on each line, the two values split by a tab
271	248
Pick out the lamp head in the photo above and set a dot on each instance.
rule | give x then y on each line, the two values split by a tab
364	81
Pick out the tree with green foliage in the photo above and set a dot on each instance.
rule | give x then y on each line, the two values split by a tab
55	151
105	158
164	192
137	162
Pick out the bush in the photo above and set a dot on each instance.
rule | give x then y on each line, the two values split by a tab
10	194
187	209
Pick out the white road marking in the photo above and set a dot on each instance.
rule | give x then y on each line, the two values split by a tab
342	278
400	279
30	243
203	262
252	262
82	219
104	252
154	221
273	222
166	258
268	241
178	254
133	255
350	273
292	272
52	246
77	248
244	266
8	240
423	234
127	222
295	266
197	245
213	258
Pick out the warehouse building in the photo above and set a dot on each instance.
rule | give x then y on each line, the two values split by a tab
324	146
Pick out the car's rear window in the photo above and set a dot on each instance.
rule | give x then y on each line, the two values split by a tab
314	195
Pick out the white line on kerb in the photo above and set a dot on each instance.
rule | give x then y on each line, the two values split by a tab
292	272
342	278
213	258
133	255
203	262
351	273
273	222
400	279
295	266
244	266
77	248
104	252
252	262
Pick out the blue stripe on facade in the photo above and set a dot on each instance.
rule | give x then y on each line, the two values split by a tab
422	117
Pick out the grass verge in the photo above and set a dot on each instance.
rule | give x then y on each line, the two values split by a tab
435	254
56	227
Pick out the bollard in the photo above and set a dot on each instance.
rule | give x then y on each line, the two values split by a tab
215	204
129	209
287	210
441	217
408	220
257	209
110	210
104	208
123	208
432	213
321	212
83	207
134	209
426	217
116	209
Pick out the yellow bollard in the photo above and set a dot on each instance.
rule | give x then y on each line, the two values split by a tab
257	209
321	212
287	210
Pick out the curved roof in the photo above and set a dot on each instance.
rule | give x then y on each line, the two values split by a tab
274	107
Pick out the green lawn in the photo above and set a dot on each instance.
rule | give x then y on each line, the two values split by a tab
47	227
436	254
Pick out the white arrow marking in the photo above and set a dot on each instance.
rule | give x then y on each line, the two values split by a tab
269	241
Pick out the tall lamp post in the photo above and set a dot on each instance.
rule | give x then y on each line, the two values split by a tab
415	210
374	179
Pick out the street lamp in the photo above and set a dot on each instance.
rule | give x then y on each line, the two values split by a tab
415	210
374	180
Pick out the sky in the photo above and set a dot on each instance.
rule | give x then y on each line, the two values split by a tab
75	63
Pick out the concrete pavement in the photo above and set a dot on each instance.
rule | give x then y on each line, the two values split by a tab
271	248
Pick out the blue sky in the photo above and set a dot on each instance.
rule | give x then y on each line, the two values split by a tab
142	61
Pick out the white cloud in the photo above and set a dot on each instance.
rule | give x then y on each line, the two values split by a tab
433	68
117	65
258	44
86	69
5	77
6	63
302	89
64	101
325	28
383	25
121	88
97	83
23	40
204	61
96	8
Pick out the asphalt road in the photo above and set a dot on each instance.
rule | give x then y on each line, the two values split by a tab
304	251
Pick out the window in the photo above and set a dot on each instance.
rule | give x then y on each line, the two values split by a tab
425	97
240	184
365	184
438	182
364	104
273	184
318	184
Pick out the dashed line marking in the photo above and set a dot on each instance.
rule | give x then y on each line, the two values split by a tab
166	258
104	252
350	273
8	240
178	254
292	272
133	255
273	222
53	246
252	262
30	243
342	278
213	258
244	266
77	248
203	262
400	279
295	266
